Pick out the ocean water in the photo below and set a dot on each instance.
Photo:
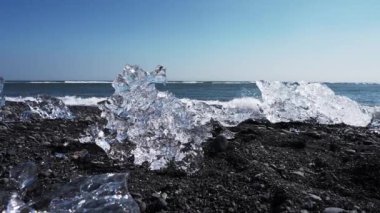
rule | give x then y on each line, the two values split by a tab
89	92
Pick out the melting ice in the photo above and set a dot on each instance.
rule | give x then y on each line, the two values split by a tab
303	101
24	175
2	99
48	107
98	193
160	125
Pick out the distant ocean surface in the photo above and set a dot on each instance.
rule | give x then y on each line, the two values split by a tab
89	92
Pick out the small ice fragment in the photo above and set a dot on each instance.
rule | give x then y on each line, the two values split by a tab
24	175
333	210
48	107
2	99
60	155
98	193
300	173
16	205
315	197
228	134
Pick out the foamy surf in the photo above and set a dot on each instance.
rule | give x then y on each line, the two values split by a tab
68	100
87	82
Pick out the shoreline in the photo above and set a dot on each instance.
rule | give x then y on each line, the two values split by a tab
265	168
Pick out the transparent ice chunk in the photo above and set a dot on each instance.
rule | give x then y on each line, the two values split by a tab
98	193
24	175
48	107
158	123
375	124
2	98
303	101
16	205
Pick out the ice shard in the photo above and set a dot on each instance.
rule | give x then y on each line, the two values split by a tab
16	205
98	193
2	99
24	175
159	125
48	107
304	101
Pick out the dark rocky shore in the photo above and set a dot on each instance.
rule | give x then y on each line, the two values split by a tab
285	167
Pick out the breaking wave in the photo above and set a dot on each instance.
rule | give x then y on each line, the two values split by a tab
230	82
87	82
68	100
44	82
59	82
185	82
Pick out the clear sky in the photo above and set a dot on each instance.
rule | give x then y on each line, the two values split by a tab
315	40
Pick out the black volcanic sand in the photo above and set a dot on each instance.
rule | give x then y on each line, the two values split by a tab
285	167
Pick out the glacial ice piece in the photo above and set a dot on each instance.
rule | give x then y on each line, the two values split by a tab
159	124
2	99
375	124
16	205
24	175
302	101
48	107
98	193
95	133
228	113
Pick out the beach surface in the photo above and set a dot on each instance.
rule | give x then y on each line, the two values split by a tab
283	167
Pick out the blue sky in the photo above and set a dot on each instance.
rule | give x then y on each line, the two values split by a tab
324	40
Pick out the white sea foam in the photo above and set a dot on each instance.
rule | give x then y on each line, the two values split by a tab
68	100
74	100
230	82
62	82
43	82
20	99
185	82
87	82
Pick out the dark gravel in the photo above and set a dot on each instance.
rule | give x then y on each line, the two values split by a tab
285	167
